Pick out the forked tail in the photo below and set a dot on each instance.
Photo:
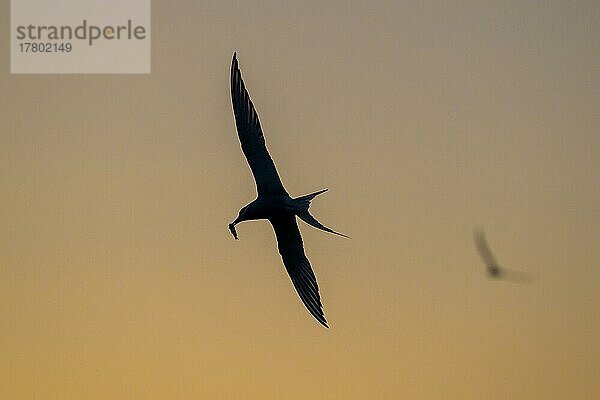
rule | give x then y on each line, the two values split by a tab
305	200
305	216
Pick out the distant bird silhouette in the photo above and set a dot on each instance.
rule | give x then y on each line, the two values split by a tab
273	201
493	269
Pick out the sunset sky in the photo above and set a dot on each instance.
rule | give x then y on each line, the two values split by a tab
120	280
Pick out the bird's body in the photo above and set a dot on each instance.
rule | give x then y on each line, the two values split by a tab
266	207
493	271
273	202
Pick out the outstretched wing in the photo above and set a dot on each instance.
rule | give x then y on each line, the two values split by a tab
484	250
252	138
297	265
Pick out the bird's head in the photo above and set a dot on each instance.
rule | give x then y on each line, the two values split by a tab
241	217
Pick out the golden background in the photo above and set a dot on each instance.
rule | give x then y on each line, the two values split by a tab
120	280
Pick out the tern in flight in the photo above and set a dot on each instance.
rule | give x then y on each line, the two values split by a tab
493	269
273	201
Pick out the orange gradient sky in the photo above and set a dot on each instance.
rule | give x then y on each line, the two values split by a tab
120	280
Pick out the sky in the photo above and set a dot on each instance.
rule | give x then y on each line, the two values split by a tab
119	278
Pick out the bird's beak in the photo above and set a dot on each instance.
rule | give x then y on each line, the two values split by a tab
232	228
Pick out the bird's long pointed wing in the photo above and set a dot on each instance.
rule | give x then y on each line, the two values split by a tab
251	137
289	242
483	249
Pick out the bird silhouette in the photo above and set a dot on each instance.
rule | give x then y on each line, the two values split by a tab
273	202
493	269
